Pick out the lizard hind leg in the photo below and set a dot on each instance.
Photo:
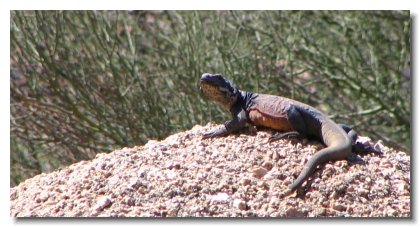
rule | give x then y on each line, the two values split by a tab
356	146
279	135
350	131
298	125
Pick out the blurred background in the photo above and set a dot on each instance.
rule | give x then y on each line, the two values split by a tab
87	82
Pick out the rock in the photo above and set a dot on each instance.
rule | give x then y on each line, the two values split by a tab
238	175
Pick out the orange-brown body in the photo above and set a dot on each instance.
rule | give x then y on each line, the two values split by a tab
270	111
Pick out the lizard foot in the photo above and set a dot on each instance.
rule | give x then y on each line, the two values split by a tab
279	135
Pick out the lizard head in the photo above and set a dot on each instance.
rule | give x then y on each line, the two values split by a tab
216	88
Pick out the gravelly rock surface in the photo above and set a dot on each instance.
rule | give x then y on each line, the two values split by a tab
236	176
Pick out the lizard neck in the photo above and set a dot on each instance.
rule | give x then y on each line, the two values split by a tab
244	102
248	99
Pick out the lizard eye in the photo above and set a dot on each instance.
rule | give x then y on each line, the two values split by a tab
226	92
223	89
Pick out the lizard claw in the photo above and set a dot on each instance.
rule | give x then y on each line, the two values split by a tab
210	134
215	133
207	135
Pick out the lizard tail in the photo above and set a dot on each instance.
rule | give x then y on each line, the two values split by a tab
338	151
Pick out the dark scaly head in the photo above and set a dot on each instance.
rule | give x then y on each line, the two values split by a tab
216	88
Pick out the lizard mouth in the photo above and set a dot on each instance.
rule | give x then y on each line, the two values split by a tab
207	88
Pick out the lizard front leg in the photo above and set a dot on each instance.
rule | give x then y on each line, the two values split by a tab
234	125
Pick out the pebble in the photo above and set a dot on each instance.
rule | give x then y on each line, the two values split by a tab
239	204
220	197
276	156
401	188
259	172
339	207
134	183
245	182
130	201
43	197
102	203
362	192
268	165
378	147
295	213
390	212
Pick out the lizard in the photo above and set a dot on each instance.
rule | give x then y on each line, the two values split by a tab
290	117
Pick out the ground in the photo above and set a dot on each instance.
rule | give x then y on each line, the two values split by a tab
241	175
